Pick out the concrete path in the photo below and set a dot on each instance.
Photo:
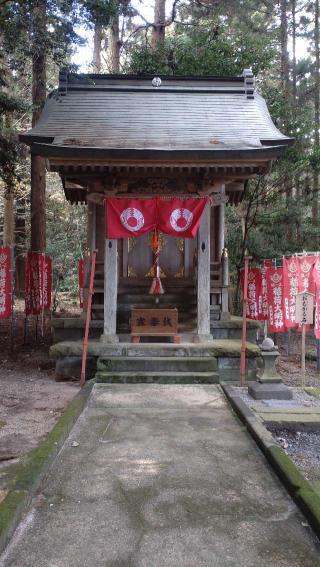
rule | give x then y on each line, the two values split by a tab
163	476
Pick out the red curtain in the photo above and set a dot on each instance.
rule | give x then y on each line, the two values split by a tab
132	217
38	284
5	283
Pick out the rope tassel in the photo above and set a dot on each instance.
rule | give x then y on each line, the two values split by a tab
156	286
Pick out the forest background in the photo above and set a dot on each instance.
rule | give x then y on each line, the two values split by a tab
278	40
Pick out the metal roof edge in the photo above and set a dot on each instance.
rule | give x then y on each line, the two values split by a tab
49	150
289	141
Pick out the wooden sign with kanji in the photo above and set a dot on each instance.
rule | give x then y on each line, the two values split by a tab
304	307
152	322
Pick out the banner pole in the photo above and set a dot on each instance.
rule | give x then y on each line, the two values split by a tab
318	354
244	322
88	317
303	355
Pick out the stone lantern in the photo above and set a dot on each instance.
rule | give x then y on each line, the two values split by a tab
269	385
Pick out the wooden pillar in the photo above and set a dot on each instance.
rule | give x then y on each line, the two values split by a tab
38	203
110	291
203	329
221	227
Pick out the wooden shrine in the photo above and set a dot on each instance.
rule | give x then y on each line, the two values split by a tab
133	136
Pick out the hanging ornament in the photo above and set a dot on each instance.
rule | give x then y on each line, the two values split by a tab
156	286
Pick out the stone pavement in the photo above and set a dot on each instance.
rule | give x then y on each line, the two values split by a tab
163	476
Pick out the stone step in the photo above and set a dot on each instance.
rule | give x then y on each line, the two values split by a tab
158	377
156	363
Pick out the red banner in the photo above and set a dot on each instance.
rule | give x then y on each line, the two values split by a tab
274	278
81	281
180	217
47	281
291	286
254	293
316	279
306	264
38	284
264	293
132	217
5	283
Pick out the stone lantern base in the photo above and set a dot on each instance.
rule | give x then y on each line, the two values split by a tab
269	391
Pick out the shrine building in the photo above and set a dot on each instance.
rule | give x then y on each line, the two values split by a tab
143	136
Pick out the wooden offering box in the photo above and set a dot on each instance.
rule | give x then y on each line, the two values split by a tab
154	322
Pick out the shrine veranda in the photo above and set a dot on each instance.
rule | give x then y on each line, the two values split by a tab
190	137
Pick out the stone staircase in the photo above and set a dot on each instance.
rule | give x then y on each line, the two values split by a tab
169	366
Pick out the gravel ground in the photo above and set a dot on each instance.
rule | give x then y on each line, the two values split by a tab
289	367
30	400
301	445
304	449
30	403
300	399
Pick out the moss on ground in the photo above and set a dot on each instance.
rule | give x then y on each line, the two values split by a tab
23	478
313	391
287	469
232	348
309	502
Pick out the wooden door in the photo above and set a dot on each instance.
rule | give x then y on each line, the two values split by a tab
176	257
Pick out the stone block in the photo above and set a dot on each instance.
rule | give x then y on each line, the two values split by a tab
70	367
269	391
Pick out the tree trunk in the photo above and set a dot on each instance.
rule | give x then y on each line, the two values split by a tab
115	44
97	39
38	169
8	219
284	78
315	207
158	31
294	53
20	240
284	48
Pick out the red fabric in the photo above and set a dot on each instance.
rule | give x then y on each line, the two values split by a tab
38	284
306	282
316	279
180	217
47	282
291	285
32	284
130	217
274	278
254	293
5	283
264	293
81	281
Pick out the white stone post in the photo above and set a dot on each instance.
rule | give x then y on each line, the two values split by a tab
203	329
110	291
